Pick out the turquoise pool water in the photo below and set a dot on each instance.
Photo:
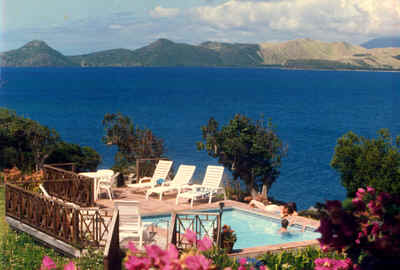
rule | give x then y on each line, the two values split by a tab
251	229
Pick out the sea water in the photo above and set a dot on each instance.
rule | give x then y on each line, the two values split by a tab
310	109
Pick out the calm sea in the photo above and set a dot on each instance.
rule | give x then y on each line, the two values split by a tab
311	110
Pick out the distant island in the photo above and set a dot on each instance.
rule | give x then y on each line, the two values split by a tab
300	54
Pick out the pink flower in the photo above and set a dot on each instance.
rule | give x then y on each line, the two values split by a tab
242	261
155	253
204	244
190	236
172	252
197	262
135	263
131	246
359	204
371	190
360	193
70	266
47	263
375	229
331	264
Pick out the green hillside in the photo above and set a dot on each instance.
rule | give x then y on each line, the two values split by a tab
164	52
116	57
35	53
236	54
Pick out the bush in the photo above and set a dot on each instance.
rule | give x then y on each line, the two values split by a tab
367	230
298	259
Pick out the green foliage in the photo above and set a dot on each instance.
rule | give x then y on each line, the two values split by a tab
85	158
363	162
132	142
3	223
220	258
19	251
252	151
298	259
27	144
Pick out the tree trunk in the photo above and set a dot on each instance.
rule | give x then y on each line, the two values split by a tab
264	191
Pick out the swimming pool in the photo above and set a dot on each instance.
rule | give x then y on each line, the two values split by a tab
252	230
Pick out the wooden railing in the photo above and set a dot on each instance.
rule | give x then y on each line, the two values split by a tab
112	253
202	223
75	226
71	165
69	186
54	173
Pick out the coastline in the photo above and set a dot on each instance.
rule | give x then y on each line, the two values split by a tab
229	67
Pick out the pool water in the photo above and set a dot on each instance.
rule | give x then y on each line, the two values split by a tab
252	230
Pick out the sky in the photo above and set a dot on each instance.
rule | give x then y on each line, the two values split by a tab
84	26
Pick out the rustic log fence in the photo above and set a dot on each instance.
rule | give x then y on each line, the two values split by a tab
71	165
79	227
69	186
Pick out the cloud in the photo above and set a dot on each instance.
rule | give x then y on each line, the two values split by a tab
160	12
367	17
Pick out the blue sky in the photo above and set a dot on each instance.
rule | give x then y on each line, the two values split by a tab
82	26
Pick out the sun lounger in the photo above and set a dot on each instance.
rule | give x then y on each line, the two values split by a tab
209	187
182	179
161	172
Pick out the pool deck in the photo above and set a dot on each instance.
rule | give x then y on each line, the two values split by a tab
154	206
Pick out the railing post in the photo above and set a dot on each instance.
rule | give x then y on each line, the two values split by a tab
137	171
219	219
172	232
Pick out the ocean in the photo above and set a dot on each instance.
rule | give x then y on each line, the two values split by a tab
310	109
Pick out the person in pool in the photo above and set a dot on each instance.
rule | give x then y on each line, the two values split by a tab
284	225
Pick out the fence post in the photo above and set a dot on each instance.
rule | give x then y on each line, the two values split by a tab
221	210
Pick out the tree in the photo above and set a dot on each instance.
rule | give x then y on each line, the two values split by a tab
86	158
41	140
363	162
252	151
27	144
132	142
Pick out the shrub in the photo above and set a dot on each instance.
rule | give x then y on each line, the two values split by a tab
367	230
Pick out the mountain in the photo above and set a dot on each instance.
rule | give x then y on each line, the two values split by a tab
236	54
164	52
300	53
383	42
35	53
307	53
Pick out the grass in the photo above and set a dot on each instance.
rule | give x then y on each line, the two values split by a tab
20	251
3	223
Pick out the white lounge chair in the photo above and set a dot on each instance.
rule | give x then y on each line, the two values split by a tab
130	221
106	183
209	187
181	179
161	172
